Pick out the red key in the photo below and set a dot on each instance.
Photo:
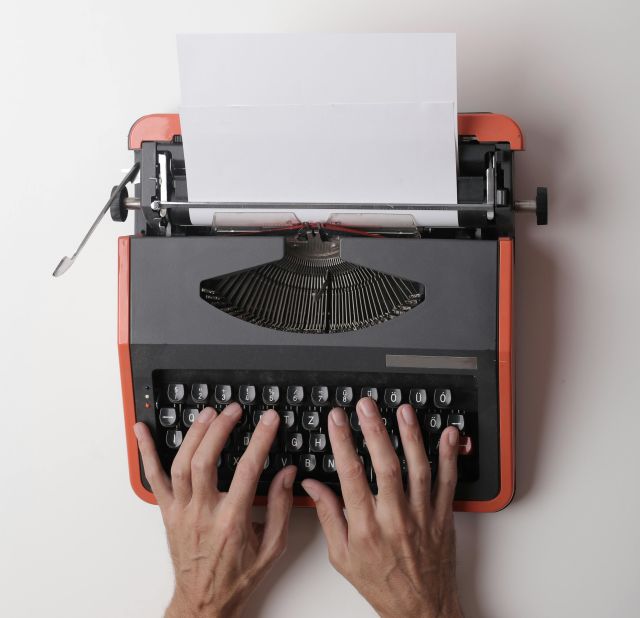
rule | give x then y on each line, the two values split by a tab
464	445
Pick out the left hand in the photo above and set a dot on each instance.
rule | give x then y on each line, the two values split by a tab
218	554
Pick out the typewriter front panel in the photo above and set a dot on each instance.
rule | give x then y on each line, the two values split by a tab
441	355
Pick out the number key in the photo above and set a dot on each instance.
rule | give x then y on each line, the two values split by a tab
175	393
319	395
295	395
222	394
344	395
247	394
270	395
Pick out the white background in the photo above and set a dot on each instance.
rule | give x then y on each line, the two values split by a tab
74	541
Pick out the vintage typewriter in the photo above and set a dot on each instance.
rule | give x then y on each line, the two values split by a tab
272	308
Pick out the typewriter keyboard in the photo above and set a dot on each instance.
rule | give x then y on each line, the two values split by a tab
303	406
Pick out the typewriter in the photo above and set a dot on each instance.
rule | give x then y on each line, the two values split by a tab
302	314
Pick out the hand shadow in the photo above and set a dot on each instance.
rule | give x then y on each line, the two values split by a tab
303	528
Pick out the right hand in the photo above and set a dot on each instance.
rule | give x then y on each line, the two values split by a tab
398	550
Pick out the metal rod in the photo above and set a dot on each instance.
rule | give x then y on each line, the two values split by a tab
160	205
66	262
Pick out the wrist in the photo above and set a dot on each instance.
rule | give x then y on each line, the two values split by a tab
181	606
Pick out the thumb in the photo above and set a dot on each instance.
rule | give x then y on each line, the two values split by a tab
276	524
331	516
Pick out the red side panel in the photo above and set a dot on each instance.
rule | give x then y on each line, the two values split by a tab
505	386
126	376
485	127
154	128
491	128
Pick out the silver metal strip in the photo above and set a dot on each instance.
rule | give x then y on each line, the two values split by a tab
414	361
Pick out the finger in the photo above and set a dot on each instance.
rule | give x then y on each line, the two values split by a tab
447	475
331	516
251	464
181	466
383	457
204	463
160	484
276	524
419	471
355	490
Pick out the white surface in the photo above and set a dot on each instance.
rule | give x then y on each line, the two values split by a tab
74	540
318	118
392	152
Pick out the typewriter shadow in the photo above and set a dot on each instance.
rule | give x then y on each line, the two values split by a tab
302	530
539	291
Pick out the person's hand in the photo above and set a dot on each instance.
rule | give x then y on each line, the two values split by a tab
397	550
218	554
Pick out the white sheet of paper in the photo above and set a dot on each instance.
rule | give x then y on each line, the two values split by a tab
319	118
316	68
359	153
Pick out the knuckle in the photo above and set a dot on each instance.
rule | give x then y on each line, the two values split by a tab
421	474
377	429
199	464
246	470
179	473
390	471
352	470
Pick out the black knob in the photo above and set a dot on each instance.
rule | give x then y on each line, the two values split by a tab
542	206
117	208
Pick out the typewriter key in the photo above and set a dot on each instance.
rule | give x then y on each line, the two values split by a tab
294	442
189	415
308	462
442	397
270	395
418	397
295	395
369	391
310	420
317	442
392	397
175	393
344	395
199	392
247	394
174	438
433	422
328	463
222	394
167	417
319	395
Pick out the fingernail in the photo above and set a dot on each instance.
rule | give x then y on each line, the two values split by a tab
338	417
289	477
233	409
269	417
408	415
312	493
453	437
137	429
367	407
205	415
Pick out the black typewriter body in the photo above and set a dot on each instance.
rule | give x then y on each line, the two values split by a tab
186	354
208	316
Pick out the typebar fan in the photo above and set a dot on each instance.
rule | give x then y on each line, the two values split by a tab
312	290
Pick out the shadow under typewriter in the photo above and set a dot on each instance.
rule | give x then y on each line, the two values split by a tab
312	290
